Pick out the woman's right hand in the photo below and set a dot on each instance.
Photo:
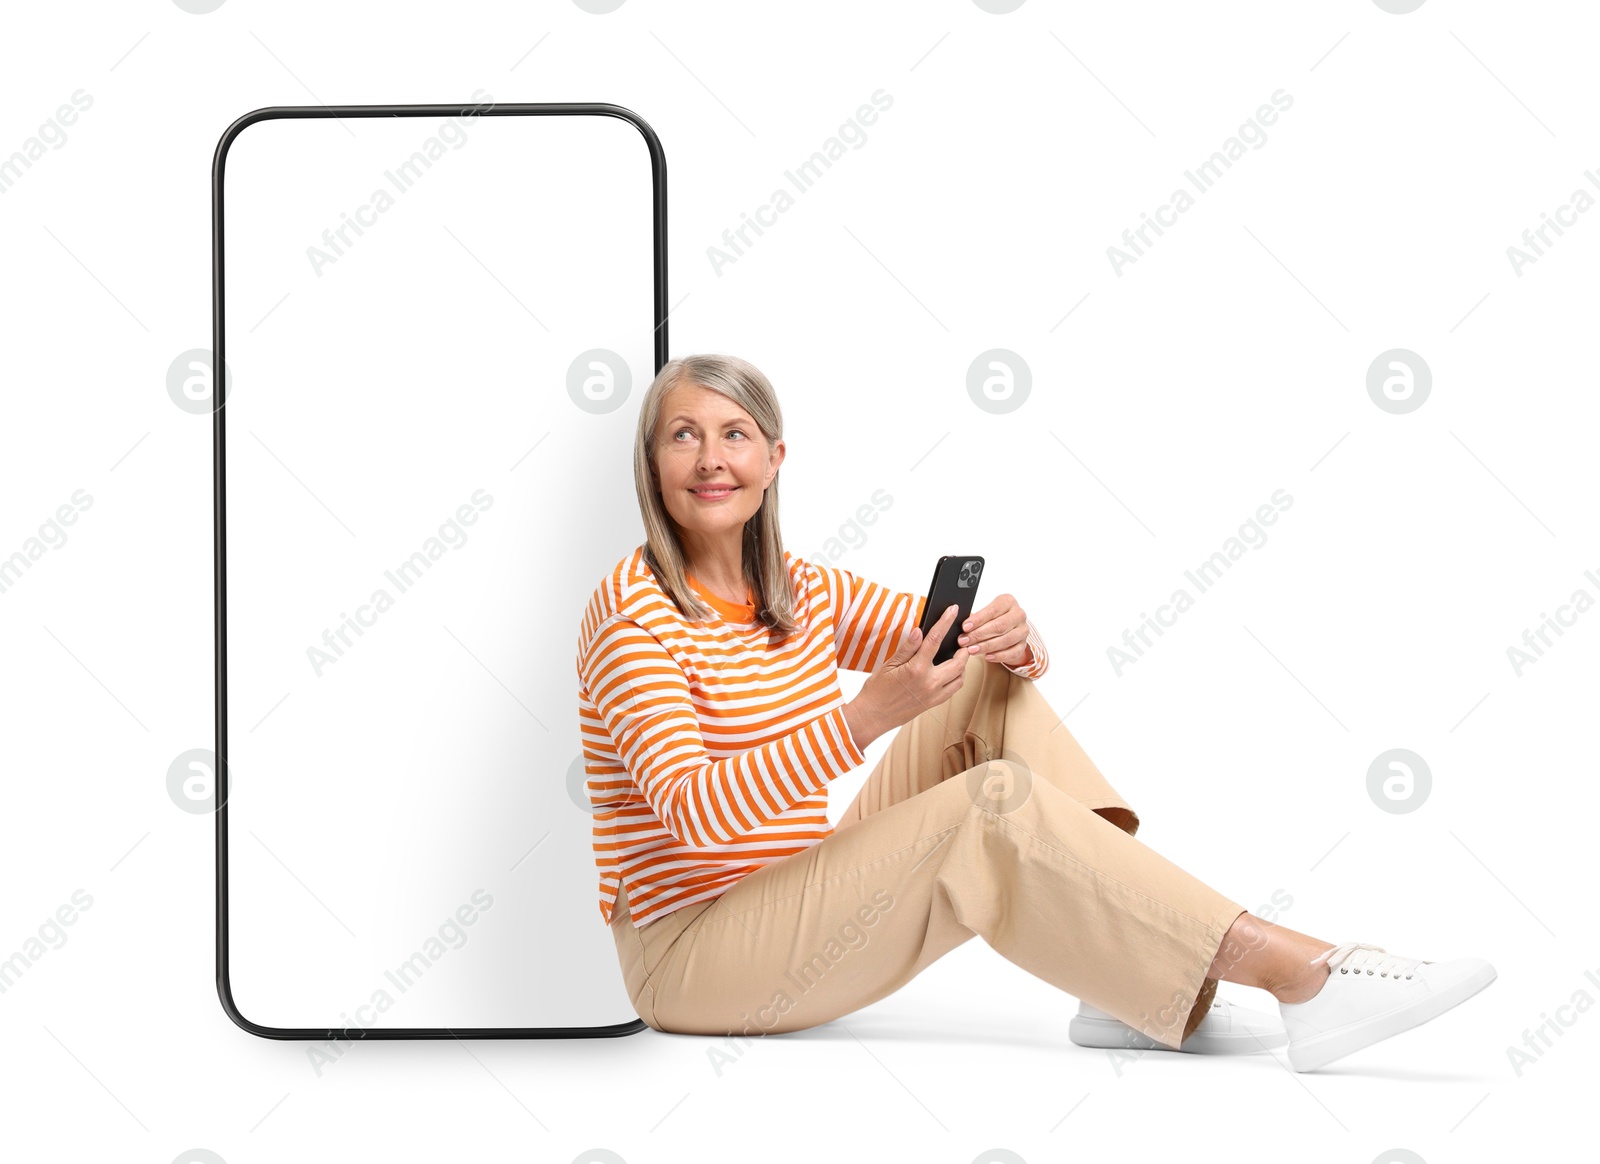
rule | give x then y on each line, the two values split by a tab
908	683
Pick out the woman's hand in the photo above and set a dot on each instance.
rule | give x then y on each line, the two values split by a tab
999	631
908	683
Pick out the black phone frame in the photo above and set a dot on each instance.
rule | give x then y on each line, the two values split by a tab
658	169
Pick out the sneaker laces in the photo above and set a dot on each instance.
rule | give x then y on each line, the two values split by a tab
1359	957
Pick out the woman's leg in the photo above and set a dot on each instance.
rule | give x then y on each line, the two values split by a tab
1030	848
1000	715
1274	958
1046	882
995	716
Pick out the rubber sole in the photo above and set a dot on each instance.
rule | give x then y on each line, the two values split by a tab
1320	1050
1110	1035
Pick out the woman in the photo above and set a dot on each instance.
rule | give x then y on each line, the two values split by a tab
713	722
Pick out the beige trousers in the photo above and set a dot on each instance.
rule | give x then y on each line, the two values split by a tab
984	818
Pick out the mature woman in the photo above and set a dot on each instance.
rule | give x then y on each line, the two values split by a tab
713	723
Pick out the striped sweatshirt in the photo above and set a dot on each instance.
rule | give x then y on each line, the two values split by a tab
709	747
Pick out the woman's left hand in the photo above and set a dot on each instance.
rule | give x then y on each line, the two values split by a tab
999	631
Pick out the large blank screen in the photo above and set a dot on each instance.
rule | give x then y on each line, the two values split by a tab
432	327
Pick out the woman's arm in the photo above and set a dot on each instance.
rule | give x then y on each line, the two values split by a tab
869	620
643	699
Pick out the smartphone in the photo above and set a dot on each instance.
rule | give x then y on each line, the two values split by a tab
955	580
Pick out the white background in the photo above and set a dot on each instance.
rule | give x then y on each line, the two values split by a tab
1167	404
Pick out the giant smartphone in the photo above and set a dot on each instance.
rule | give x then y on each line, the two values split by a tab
394	656
955	580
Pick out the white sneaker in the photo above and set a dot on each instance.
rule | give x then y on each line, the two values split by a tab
1370	995
1226	1029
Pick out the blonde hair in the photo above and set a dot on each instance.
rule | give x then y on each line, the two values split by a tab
764	567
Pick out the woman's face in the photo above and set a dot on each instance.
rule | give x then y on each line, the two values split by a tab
705	438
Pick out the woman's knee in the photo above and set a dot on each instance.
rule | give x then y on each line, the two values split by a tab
1004	787
1000	786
